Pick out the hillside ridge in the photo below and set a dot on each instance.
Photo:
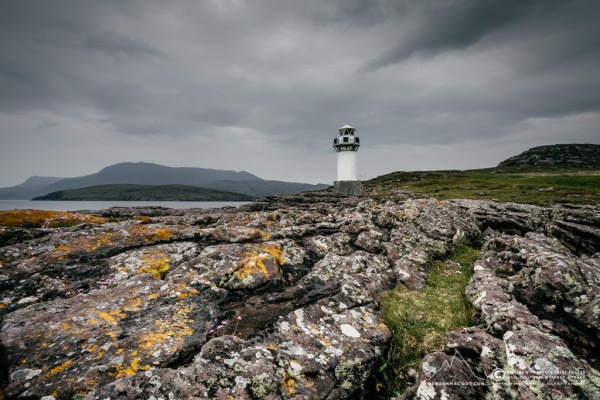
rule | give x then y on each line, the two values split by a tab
558	155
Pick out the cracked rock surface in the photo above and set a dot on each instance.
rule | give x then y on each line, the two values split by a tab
537	297
280	299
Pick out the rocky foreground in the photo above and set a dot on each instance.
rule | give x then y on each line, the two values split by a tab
279	299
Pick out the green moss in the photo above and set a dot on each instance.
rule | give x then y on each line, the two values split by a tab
419	320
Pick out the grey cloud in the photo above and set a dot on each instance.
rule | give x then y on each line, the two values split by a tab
281	77
112	42
48	124
449	25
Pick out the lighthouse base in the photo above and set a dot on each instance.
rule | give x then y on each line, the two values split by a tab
349	188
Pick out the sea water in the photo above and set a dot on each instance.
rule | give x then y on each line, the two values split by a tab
101	205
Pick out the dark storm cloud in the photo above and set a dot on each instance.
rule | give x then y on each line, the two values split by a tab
436	26
46	47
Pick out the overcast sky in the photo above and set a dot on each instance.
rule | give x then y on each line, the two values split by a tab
263	85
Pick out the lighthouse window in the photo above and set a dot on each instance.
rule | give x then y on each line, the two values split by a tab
335	141
345	140
356	140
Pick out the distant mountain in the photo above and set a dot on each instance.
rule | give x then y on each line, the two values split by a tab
154	174
126	192
558	155
151	174
34	186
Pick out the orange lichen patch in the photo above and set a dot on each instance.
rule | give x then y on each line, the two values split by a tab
264	234
173	331
143	219
133	304
83	244
60	367
162	234
45	219
150	234
112	335
111	317
289	383
92	348
65	326
152	343
253	261
155	264
130	369
182	290
190	291
133	234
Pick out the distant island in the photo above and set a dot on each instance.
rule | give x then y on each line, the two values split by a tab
126	192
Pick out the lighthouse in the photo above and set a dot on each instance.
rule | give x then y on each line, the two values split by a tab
346	145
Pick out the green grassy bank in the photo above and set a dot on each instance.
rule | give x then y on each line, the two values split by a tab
530	185
420	319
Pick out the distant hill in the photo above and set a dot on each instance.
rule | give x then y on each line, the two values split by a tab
151	174
125	192
154	174
28	189
558	155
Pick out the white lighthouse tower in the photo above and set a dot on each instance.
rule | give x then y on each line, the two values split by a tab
346	145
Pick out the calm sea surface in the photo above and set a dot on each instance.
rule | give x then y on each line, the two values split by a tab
101	205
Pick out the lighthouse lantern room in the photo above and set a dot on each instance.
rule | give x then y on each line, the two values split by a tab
346	145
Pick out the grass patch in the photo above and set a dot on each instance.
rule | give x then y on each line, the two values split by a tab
530	185
420	319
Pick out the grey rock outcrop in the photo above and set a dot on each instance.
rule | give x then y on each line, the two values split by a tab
558	155
537	299
280	299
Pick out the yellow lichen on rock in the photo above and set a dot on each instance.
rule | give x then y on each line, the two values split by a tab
155	264
82	244
111	317
288	383
265	235
133	304
131	369
254	261
45	219
60	367
151	234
